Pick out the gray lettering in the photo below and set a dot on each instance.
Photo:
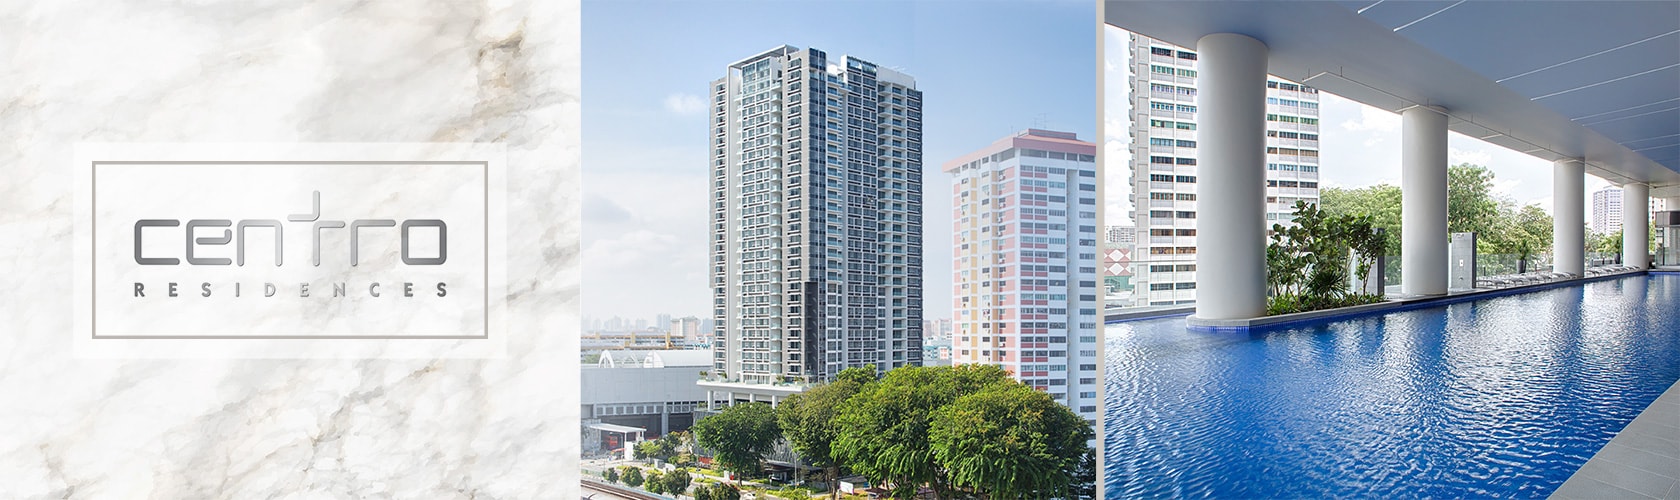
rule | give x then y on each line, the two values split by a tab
227	236
443	242
279	237
355	230
374	289
139	289
153	261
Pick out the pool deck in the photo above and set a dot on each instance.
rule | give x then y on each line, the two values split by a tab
1642	461
1395	303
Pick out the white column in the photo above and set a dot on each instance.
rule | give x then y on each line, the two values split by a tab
1568	206
1231	185
1423	201
1636	224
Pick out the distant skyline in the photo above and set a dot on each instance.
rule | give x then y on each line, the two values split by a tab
1359	146
644	120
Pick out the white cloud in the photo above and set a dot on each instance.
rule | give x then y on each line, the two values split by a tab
1373	120
1473	156
685	104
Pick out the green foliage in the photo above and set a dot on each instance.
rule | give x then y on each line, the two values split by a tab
633	476
611	475
663	448
654	483
717	491
807	419
884	428
1471	205
1307	265
1380	202
1010	441
677	481
968	428
739	436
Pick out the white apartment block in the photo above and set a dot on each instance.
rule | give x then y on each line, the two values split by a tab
816	218
1164	170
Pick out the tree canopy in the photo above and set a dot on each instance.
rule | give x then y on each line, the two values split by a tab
807	419
903	430
1010	441
739	436
1501	225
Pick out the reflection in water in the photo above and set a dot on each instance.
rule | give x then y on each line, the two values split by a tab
1500	397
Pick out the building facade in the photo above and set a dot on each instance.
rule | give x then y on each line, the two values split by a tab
1607	210
1025	293
1164	170
815	217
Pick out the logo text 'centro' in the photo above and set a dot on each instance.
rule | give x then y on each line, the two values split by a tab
314	216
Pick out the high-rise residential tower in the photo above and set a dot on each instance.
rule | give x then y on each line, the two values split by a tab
816	217
1024	271
1164	153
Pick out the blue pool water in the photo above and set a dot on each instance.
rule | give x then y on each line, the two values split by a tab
1502	397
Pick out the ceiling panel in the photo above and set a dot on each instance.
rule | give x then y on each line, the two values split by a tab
1395	13
1576	58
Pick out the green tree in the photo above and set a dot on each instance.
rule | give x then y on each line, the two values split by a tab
883	429
654	482
739	436
677	481
1010	441
633	476
611	475
724	491
1471	205
807	420
703	491
1307	265
1380	202
1522	232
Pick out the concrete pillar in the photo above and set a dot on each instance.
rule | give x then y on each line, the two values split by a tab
1231	187
1636	224
1423	201
1568	206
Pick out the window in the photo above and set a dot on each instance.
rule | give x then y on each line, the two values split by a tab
1186	215
1182	143
1186	232
1186	161
1160	51
1185	196
1188	73
1160	232
1160	178
1163	106
1186	126
1187	179
1186	267
1160	196
1161	69
1186	108
1186	286
1156	141
1187	55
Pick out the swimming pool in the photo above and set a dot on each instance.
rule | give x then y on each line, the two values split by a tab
1498	397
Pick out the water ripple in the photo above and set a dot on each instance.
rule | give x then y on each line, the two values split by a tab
1503	397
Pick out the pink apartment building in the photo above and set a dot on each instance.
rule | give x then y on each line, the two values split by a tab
1025	293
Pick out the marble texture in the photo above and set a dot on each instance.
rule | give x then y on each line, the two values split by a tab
288	71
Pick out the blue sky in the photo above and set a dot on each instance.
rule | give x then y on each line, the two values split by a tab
987	69
1359	146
